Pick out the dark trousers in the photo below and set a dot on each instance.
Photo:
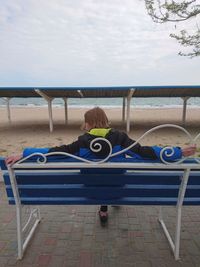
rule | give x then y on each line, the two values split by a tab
103	208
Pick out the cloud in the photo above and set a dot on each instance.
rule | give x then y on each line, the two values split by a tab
86	43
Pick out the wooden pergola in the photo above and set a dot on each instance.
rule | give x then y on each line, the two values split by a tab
126	93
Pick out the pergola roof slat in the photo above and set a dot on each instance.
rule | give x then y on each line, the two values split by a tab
107	91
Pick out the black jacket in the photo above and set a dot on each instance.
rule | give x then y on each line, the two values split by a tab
118	140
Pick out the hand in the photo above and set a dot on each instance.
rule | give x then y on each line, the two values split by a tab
12	159
189	150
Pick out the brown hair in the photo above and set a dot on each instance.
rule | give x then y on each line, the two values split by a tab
96	117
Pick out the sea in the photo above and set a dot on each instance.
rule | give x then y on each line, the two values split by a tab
167	102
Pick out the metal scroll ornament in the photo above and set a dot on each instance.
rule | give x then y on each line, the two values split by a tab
98	145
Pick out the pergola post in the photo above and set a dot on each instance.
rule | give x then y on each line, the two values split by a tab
7	100
185	99
50	115
80	93
66	110
128	109
49	102
123	109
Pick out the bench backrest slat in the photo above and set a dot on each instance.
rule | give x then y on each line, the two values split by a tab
51	187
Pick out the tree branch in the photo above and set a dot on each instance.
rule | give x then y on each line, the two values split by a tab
162	11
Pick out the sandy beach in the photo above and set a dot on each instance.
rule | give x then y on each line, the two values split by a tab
30	126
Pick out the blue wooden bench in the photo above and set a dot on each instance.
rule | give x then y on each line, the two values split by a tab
64	181
115	183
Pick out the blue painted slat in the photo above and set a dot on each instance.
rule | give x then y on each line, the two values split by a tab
95	179
124	201
2	164
106	192
9	192
82	186
99	193
125	187
103	187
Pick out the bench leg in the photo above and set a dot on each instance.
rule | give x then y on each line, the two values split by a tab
23	242
166	232
35	213
19	232
177	233
175	246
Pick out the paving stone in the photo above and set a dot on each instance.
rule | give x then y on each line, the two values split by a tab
135	227
71	263
172	263
87	242
196	260
138	244
152	250
44	259
88	229
3	244
191	247
86	258
142	264
57	261
31	257
72	236
50	241
188	264
60	251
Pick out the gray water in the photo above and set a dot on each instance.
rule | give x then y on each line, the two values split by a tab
106	102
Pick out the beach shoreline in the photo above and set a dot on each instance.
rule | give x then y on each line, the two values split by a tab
30	126
138	107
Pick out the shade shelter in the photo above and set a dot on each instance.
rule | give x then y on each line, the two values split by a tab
124	92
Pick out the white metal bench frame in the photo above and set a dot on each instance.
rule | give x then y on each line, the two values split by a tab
42	165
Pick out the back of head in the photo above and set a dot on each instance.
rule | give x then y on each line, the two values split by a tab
96	117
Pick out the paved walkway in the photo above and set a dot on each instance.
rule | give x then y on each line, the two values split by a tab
71	236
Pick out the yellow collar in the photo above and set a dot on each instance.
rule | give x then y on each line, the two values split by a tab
99	131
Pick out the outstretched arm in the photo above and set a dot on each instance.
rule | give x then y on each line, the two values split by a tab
12	159
189	150
153	152
71	148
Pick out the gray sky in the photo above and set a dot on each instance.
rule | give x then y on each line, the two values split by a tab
89	43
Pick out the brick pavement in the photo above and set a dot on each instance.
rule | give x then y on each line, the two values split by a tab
71	236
